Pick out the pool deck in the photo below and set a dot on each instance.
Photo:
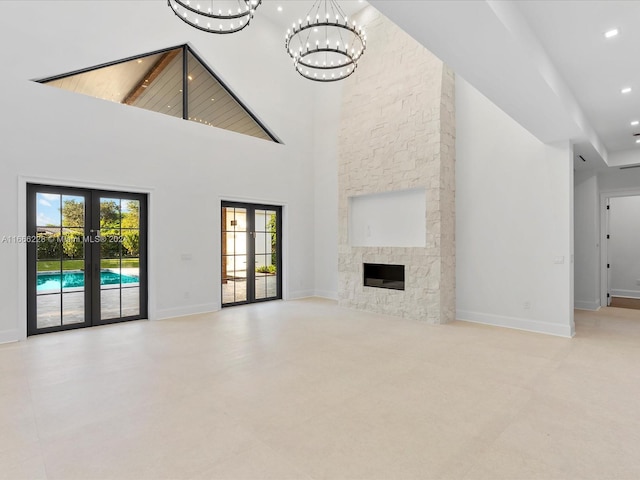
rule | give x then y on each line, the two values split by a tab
113	298
236	290
67	308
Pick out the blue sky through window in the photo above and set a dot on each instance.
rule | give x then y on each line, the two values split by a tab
49	207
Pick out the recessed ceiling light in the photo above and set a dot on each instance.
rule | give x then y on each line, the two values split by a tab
634	123
611	33
279	8
625	90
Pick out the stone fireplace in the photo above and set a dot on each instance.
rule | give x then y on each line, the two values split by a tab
397	134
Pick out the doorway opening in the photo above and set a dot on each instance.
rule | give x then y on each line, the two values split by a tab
251	253
622	251
87	258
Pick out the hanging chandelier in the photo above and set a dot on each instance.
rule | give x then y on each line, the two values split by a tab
325	47
219	16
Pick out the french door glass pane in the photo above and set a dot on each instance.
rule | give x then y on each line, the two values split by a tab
130	301
109	302
48	310
73	308
109	214
73	213
272	286
234	255
48	209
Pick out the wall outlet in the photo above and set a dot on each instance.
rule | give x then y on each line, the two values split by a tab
638	282
187	295
526	305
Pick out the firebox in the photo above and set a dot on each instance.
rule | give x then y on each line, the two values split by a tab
384	276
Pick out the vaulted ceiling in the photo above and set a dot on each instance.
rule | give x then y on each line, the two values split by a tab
547	64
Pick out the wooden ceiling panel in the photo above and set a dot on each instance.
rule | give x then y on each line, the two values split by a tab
113	82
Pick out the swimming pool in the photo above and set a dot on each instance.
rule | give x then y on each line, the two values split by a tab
75	279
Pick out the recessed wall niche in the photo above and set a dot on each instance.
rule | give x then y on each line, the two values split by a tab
388	219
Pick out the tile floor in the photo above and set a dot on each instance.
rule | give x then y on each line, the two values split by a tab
308	390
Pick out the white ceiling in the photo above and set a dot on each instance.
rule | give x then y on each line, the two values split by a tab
545	63
594	67
292	10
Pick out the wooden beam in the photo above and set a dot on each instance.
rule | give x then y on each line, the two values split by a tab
153	73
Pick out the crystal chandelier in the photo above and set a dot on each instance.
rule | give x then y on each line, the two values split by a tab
325	47
219	16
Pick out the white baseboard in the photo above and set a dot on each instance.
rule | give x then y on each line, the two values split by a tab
326	294
516	323
625	293
184	311
9	336
592	305
300	294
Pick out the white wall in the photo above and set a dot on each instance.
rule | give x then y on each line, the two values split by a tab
514	221
616	180
587	240
55	136
328	101
624	246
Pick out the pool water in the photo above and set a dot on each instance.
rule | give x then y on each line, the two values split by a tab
51	281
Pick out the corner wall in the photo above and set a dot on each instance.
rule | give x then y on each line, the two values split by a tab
514	221
397	132
587	241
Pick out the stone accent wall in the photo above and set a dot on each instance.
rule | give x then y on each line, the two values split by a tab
397	132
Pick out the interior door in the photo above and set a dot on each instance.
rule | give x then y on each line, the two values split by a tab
608	250
251	253
86	258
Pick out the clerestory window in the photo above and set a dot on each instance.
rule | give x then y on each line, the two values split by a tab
173	82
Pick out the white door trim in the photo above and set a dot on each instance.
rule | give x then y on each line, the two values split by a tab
605	196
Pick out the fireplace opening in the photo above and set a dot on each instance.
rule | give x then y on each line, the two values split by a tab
384	276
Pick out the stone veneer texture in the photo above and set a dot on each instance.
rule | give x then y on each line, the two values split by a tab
397	132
